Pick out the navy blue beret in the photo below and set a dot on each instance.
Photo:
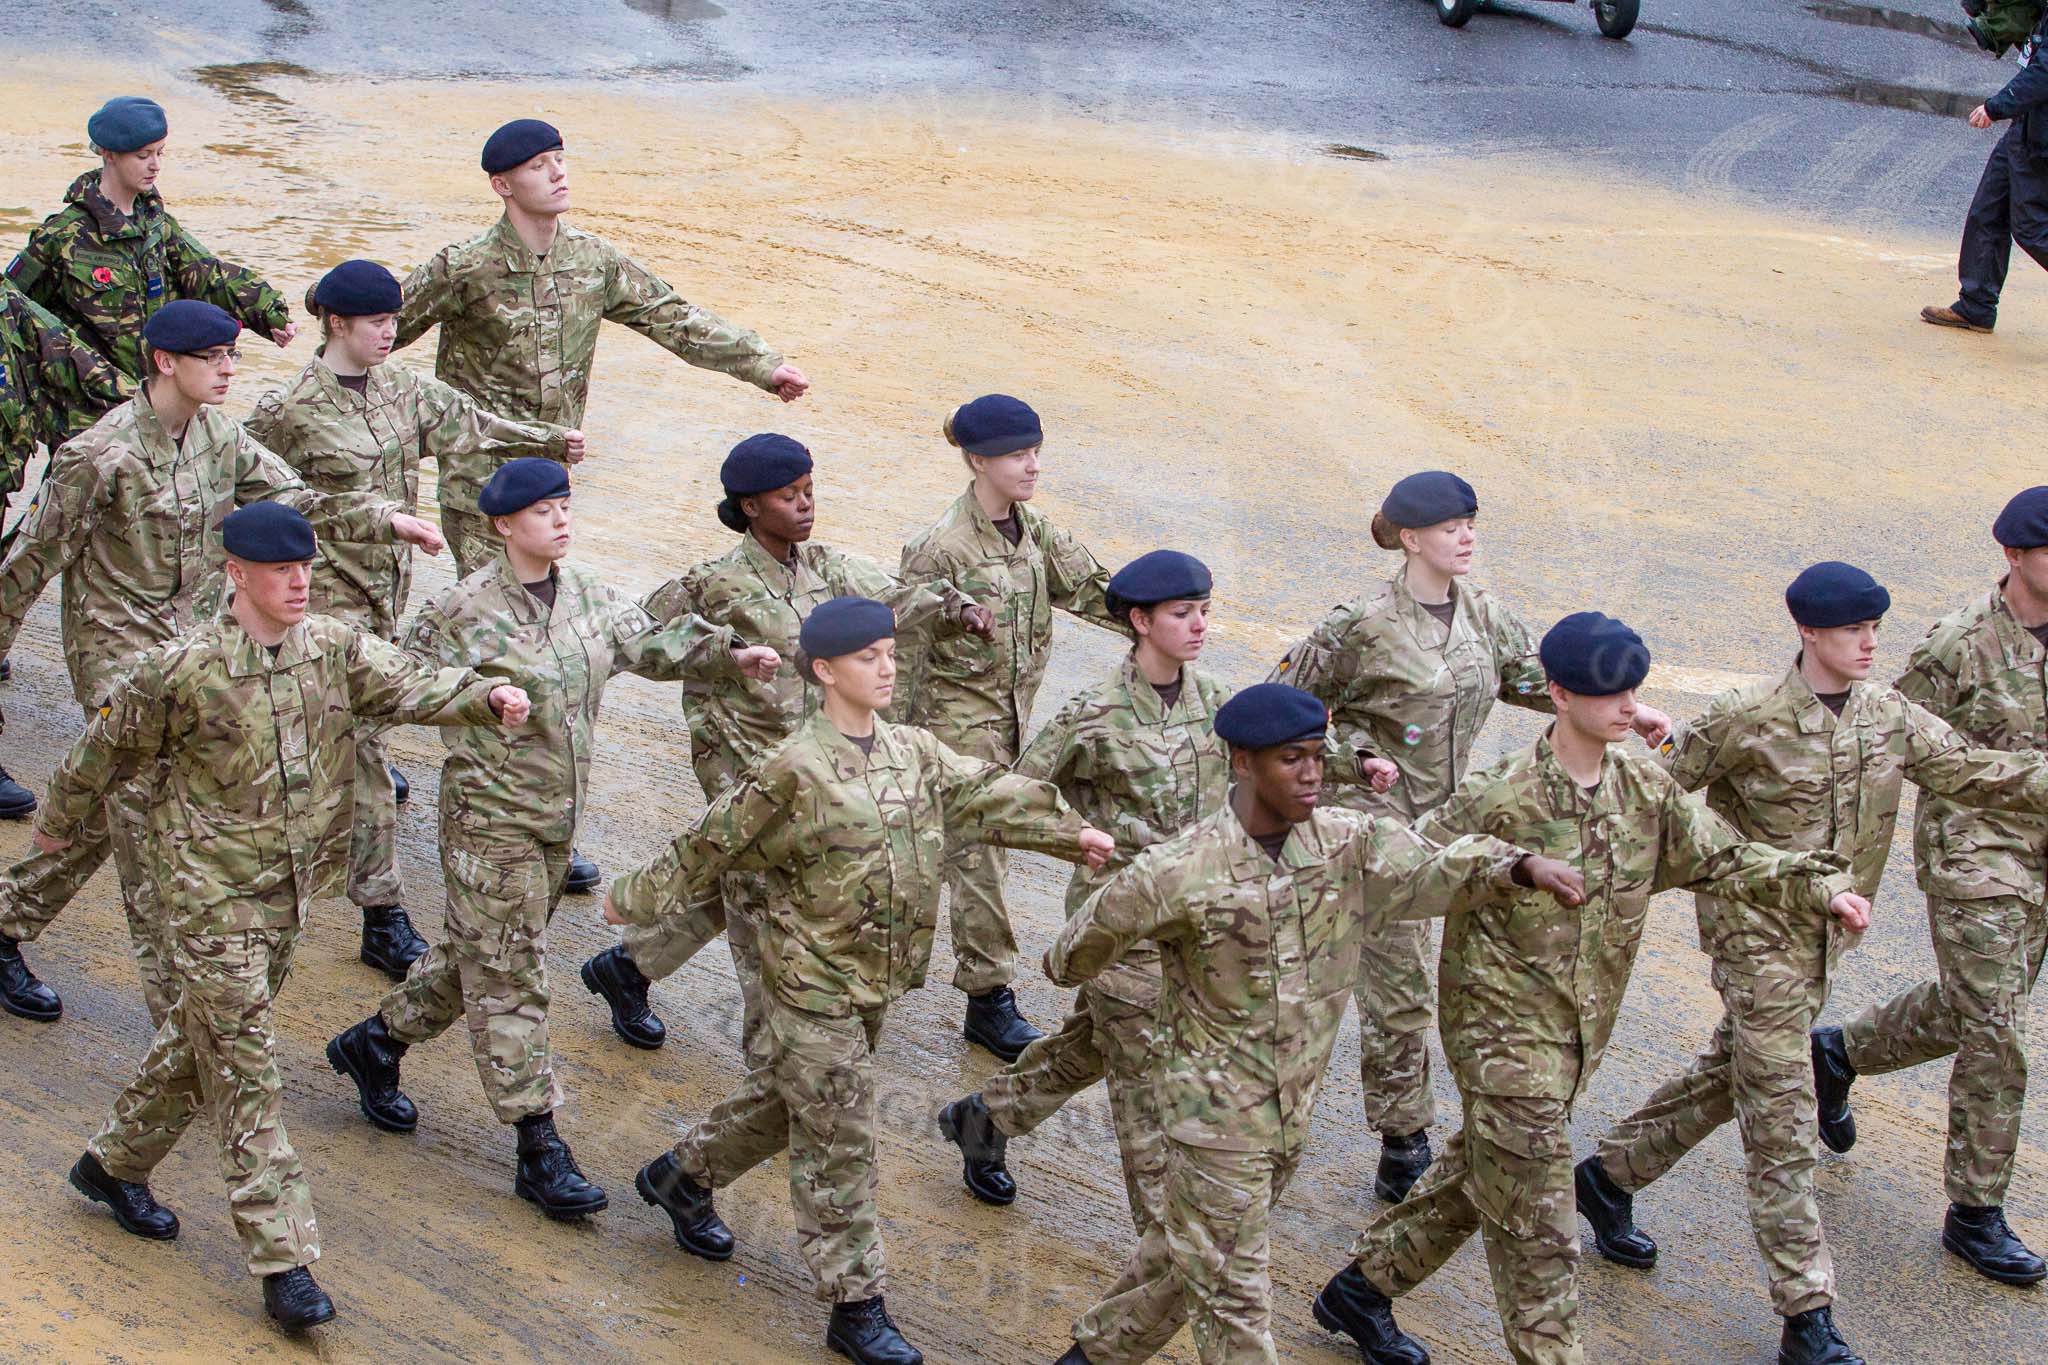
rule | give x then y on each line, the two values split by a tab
759	464
1427	498
1594	655
517	143
845	625
2023	525
126	123
519	484
994	424
184	326
1161	576
356	289
1832	593
1266	714
267	533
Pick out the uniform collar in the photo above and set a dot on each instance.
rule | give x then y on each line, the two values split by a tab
159	447
984	525
523	604
85	192
754	557
338	392
849	764
519	258
1417	617
1564	789
248	659
1305	848
2020	645
1144	698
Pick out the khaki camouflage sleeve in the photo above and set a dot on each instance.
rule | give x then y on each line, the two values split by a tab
1077	582
50	537
386	683
128	731
1933	675
1938	760
1052	752
686	649
1343	765
1130	908
1703	852
236	290
932	608
1405	876
989	803
1523	682
429	294
262	476
452	424
34	270
1319	665
265	422
636	297
913	656
1704	749
675	598
649	891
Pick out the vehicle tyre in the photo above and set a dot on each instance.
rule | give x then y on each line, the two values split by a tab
1454	13
1615	17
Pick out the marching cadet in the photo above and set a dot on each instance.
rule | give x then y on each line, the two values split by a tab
847	821
1410	673
129	515
975	694
351	423
1983	670
113	255
519	308
510	803
1257	910
1814	759
763	588
1528	995
253	716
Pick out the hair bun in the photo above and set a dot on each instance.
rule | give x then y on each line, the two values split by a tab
947	427
1385	534
729	512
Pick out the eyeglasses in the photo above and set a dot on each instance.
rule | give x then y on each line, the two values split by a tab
214	358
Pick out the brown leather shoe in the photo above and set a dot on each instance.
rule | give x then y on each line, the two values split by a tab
1949	317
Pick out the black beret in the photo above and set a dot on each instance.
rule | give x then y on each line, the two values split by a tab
519	484
995	424
184	326
757	465
126	123
267	533
517	143
844	625
2023	525
356	289
1429	497
1594	655
1266	714
1161	576
1832	593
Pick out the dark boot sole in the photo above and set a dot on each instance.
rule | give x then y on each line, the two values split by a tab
838	1347
1328	1322
989	1045
579	886
33	1015
2002	1277
147	1234
1623	1258
338	1059
17	812
386	965
590	983
1389	1193
557	1211
298	1325
645	1189
993	1198
1842	1144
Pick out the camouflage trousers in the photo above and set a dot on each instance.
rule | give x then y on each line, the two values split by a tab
1506	1175
217	1054
1208	1264
34	891
984	944
490	968
1396	1006
471	538
1112	1031
1987	954
815	1097
660	949
373	832
1757	1070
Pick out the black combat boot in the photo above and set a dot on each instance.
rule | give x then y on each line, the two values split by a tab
612	975
1811	1339
548	1174
864	1333
16	801
399	785
389	941
1611	1211
367	1054
967	1124
993	1023
1402	1162
1832	1075
134	1207
21	993
1981	1237
1074	1356
1349	1304
699	1229
583	874
294	1301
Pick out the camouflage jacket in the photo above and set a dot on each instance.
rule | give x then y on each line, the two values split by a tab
103	272
1785	770
341	441
1528	990
252	822
529	783
850	847
733	721
965	683
1260	957
519	331
1982	672
52	385
1402	687
131	519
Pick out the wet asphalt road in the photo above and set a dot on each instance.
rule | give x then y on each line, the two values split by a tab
1844	110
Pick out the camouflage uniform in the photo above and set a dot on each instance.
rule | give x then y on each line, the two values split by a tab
510	802
519	335
1258	958
976	694
1402	686
52	385
251	827
103	272
131	519
1527	998
1986	877
341	441
735	721
849	847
